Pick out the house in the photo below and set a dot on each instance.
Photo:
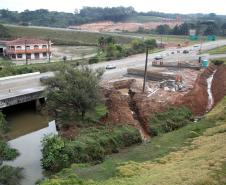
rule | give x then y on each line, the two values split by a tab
2	48
27	49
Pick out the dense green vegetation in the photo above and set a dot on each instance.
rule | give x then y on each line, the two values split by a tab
61	37
72	93
171	158
43	17
171	119
10	175
7	153
219	61
110	50
90	146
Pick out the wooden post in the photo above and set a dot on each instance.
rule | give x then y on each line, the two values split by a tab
145	70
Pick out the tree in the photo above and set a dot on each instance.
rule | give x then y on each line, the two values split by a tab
73	92
151	43
4	32
163	29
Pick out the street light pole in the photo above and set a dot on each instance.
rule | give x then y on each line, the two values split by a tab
145	70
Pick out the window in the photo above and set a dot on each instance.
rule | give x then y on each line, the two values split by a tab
36	47
27	47
28	56
44	54
36	55
19	56
44	46
12	47
18	47
13	56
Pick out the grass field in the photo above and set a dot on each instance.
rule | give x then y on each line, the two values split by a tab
194	155
219	50
61	36
171	39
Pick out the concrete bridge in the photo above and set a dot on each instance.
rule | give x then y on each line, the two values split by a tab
21	88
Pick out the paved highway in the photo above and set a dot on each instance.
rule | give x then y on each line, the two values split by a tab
139	60
19	85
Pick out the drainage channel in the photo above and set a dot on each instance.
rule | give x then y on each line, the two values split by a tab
139	122
209	91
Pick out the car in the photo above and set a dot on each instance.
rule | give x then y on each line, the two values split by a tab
110	66
185	51
44	79
158	58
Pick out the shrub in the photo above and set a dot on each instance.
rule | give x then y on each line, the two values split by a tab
10	175
7	153
218	62
91	146
3	123
169	120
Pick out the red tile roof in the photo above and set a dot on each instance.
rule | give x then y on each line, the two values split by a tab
21	41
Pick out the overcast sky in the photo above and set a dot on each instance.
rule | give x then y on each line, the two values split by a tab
172	6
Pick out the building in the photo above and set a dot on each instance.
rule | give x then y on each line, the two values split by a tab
27	49
2	48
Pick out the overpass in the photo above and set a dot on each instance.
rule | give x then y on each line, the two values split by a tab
21	88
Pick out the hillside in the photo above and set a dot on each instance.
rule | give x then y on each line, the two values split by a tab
61	36
194	155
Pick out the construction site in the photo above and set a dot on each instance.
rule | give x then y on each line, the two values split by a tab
183	84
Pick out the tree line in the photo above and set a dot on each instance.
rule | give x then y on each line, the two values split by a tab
202	28
43	17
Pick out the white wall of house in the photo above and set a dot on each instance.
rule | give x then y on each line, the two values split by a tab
33	56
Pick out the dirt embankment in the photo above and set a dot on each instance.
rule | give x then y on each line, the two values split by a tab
197	99
219	84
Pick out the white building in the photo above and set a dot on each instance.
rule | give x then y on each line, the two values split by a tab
27	48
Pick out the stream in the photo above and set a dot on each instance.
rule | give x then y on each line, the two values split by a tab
209	91
27	128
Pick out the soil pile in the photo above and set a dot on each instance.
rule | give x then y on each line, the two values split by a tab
197	99
219	84
118	108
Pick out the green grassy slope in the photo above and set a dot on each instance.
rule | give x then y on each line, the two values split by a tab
194	155
64	37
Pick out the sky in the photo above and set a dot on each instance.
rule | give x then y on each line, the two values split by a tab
168	6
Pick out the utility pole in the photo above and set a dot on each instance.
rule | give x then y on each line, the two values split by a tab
26	51
49	49
145	70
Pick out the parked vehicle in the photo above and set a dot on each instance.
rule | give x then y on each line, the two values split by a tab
158	57
185	51
110	66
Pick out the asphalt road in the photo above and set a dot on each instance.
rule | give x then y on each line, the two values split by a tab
139	60
15	86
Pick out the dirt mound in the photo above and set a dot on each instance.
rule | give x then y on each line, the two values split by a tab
118	108
219	84
197	99
109	26
122	84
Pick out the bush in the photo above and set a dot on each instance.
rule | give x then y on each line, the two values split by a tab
218	62
3	124
169	120
10	175
91	146
7	153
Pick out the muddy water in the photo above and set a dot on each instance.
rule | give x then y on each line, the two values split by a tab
209	91
27	128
